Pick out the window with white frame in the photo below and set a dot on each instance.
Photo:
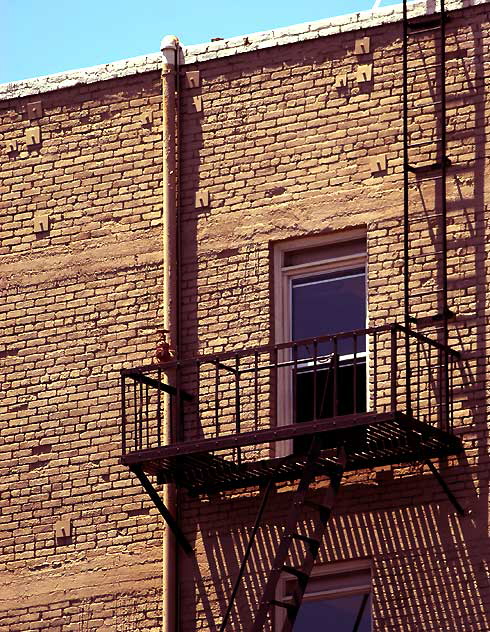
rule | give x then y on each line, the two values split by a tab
320	289
337	597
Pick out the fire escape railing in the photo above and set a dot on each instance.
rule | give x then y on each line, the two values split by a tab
351	373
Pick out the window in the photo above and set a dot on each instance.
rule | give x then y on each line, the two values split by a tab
321	290
337	597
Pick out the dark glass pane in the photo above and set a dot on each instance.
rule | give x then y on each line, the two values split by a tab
328	304
337	614
322	305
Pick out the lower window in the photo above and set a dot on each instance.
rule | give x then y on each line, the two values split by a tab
337	597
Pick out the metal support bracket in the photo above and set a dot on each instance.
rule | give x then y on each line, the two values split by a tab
265	497
160	505
445	487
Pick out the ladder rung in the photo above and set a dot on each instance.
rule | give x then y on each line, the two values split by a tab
422	68
420	218
423	143
422	294
311	542
283	604
303	577
428	29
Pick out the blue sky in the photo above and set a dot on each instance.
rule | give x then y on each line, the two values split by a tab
41	37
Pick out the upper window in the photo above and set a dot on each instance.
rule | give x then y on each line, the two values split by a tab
337	597
321	288
321	291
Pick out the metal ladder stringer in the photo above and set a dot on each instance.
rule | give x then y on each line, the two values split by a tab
291	534
437	169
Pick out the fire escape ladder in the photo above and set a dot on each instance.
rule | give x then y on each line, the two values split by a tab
436	170
309	544
434	165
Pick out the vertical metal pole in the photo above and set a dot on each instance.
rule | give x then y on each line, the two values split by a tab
406	218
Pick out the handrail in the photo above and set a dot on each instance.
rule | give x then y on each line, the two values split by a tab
226	355
429	341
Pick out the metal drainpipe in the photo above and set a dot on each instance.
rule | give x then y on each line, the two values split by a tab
169	48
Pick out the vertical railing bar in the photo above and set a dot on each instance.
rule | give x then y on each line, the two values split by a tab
429	384
418	379
140	408
295	382
394	369
441	392
216	397
135	406
237	404
276	387
375	370
451	428
178	435
123	412
198	392
159	410
256	390
335	376
315	377
147	412
355	373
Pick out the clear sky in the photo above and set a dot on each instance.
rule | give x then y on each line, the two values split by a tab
40	37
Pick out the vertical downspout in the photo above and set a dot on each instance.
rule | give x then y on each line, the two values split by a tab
169	48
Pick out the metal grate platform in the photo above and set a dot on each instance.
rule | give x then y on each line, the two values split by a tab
369	439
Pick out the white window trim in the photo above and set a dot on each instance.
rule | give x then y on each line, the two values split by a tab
335	568
283	277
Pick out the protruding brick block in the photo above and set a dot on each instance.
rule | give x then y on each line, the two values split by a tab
34	110
62	528
193	79
202	199
33	136
378	164
197	103
364	73
340	81
41	223
362	46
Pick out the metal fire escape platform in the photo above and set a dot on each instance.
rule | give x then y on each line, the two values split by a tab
369	440
231	405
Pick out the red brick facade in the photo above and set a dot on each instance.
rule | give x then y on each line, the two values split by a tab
284	152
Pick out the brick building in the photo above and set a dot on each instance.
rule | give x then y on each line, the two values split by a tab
296	217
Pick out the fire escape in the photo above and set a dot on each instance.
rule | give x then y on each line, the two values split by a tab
226	409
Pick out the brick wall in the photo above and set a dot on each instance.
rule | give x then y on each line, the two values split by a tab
78	302
284	152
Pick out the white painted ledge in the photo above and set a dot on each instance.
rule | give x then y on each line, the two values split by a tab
226	47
